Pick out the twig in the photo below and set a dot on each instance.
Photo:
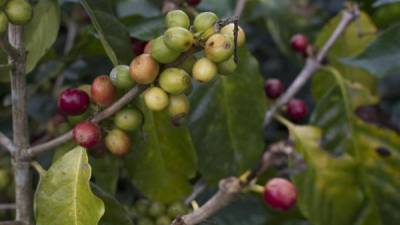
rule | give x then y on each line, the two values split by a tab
7	143
184	56
240	7
6	66
11	223
198	188
7	206
312	65
8	48
128	97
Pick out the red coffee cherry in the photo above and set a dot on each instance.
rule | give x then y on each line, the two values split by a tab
138	46
273	88
193	2
73	101
297	109
87	134
103	91
299	43
280	194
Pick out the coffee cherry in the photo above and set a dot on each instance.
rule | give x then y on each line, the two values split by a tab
299	43
177	209
156	209
87	134
163	220
86	88
273	88
162	53
188	64
229	31
103	91
280	194
227	67
204	21
204	70
3	22
156	99
98	151
121	78
54	123
128	119
178	106
118	142
193	3
147	48
177	18
297	109
174	81
144	69
73	101
178	39
19	12
138	46
219	48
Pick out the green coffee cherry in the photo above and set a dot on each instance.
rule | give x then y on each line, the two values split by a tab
179	106
121	78
156	99
163	220
161	53
128	119
156	209
178	39
19	12
204	70
219	48
145	221
174	81
177	18
204	21
177	209
227	67
229	31
142	206
3	22
188	64
118	142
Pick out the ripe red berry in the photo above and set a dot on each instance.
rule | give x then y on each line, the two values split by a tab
297	109
193	2
138	46
299	43
87	134
73	101
280	194
273	88
103	91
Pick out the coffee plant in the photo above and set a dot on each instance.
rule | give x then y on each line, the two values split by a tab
181	112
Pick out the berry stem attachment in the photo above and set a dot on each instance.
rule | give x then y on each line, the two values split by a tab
256	188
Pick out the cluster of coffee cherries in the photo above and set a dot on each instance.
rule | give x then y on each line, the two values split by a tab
147	212
17	12
280	194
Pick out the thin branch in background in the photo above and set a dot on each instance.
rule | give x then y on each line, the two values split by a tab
8	48
7	206
198	188
11	223
239	7
6	66
7	143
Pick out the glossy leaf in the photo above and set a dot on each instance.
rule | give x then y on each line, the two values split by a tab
382	56
106	172
145	28
64	197
226	121
112	34
41	32
163	159
142	8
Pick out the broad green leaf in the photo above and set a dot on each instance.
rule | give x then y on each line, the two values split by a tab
41	32
163	159
226	121
385	2
142	8
349	44
64	197
382	57
106	172
112	34
114	213
145	28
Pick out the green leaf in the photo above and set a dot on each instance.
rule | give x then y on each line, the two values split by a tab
163	159
382	56
226	121
142	8
349	44
106	172
112	34
64	197
145	28
41	32
115	213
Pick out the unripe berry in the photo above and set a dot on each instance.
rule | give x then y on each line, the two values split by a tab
227	67
87	134
128	119
3	22
147	48
156	99
103	91
204	21
118	142
297	109
178	39
144	69
178	106
156	209
174	81
219	48
161	52
19	12
73	101
163	220
193	2
299	43
121	78
177	18
229	31
188	64
280	194
273	88
177	209
204	70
